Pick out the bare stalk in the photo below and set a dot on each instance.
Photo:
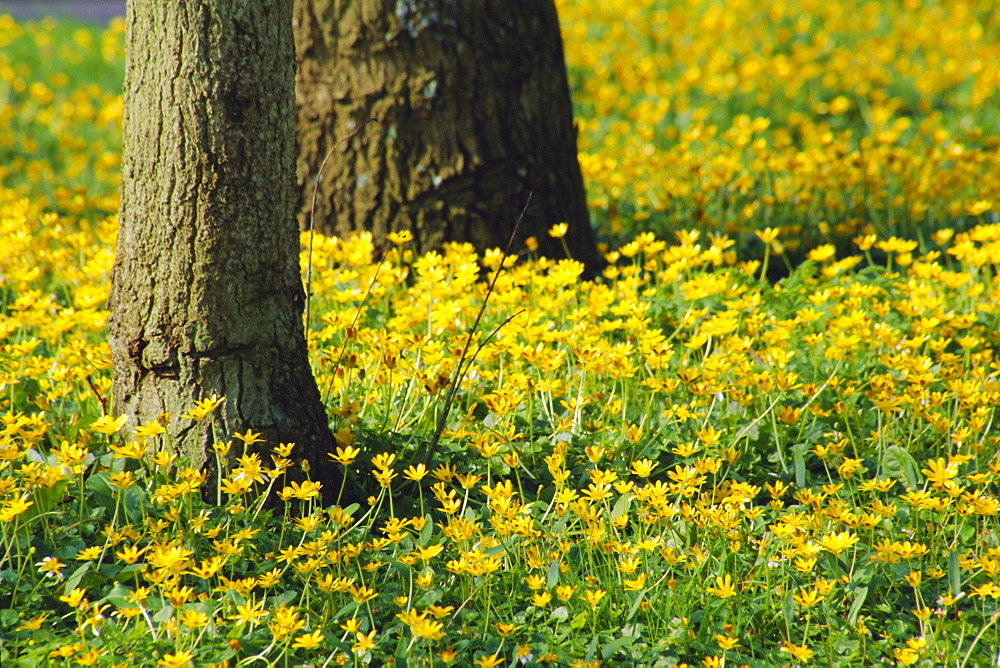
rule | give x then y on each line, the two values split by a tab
459	371
312	217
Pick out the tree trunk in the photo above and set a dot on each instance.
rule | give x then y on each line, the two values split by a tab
206	293
473	112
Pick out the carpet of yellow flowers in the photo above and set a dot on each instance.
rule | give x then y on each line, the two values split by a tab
824	118
680	463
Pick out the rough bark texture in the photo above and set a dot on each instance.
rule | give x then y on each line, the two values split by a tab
473	112
206	293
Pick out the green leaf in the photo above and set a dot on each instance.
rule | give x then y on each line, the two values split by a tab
621	506
401	654
427	531
552	578
73	581
901	465
164	614
135	501
100	485
751	432
399	567
860	595
635	606
612	647
118	596
954	573
283	598
578	621
799	451
788	610
8	617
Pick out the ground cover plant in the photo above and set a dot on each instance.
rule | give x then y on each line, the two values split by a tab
824	119
680	463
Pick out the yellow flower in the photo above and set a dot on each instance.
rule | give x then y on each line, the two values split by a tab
837	542
383	461
249	438
108	425
51	567
181	659
979	207
399	238
800	652
421	626
643	467
939	472
896	245
14	507
222	449
164	459
364	642
441	611
384	477
594	596
344	455
505	629
34	623
131	450
362	594
88	658
307	490
250	613
174	558
193	619
415	473
723	587
822	253
74	598
204	407
490	661
767	235
123	480
129	554
285	621
808	598
308	640
234	487
541	599
149	430
558	231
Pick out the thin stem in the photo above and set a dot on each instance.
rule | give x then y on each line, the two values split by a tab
312	216
459	372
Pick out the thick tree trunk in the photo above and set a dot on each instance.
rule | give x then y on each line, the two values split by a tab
473	112
206	294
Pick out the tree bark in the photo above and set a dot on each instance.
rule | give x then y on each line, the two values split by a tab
473	112
206	293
